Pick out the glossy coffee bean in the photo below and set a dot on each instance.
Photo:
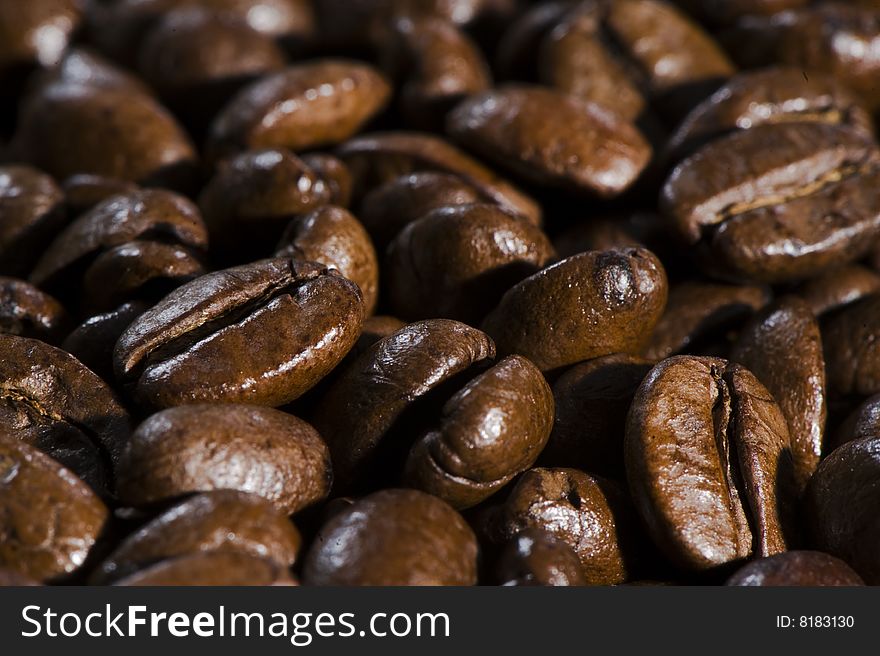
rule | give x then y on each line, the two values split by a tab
535	557
393	537
212	568
251	199
592	399
360	409
839	288
92	341
552	139
709	463
456	262
199	448
840	506
796	568
783	348
331	236
778	202
489	431
592	516
852	352
305	106
261	333
49	518
586	306
223	520
31	212
49	400
27	312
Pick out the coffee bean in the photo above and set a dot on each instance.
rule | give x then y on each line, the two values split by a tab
211	568
534	557
92	341
586	306
83	191
796	568
863	422
260	333
27	312
334	173
839	288
199	448
394	537
852	352
36	33
709	463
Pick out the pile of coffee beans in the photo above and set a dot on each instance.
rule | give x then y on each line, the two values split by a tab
439	292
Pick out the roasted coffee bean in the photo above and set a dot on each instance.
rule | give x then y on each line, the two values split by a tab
592	399
697	311
253	196
360	409
199	448
31	212
439	66
778	202
335	175
35	33
92	341
305	106
863	422
381	157
852	350
260	333
841	502
591	515
393	537
783	348
617	53
549	138
490	431
586	306
456	262
211	568
68	128
223	520
709	463
82	192
838	288
49	518
535	557
49	400
390	207
28	312
796	568
332	236
781	94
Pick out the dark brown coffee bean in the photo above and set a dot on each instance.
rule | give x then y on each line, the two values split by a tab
781	94
335	175
838	288
92	341
700	310
388	378
796	568
534	557
28	312
841	506
223	520
211	568
590	515
49	518
490	431
778	202
783	348
552	139
305	106
35	33
852	348
31	213
68	128
49	400
82	192
251	199
393	537
381	157
239	447
261	333
586	306
332	236
592	399
456	262
861	423
709	463
439	65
